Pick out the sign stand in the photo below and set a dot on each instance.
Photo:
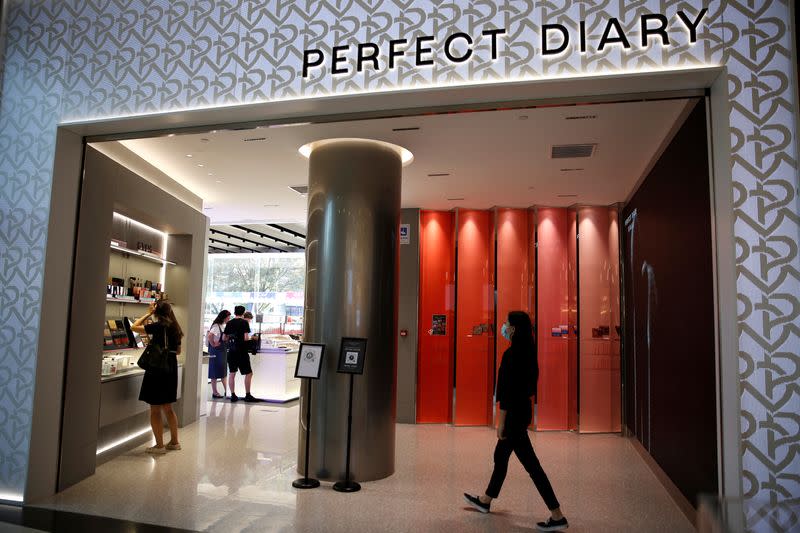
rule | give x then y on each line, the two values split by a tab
351	361
348	485
309	363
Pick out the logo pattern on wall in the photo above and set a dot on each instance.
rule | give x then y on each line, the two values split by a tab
77	60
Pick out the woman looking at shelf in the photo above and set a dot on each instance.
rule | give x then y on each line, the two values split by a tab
218	366
159	388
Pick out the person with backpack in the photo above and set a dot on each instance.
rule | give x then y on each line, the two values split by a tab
237	335
217	366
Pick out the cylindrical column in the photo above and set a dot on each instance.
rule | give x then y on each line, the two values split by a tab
351	291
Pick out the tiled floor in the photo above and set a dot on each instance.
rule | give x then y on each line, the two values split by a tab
237	464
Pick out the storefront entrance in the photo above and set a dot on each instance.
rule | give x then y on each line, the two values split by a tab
553	249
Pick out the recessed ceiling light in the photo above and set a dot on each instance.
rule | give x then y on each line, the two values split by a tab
454	199
210	173
213	131
567	195
171	135
219	181
200	165
207	208
271	205
203	140
188	155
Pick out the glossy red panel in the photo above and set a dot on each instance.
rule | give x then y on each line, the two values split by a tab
599	349
572	340
513	269
436	318
474	358
552	228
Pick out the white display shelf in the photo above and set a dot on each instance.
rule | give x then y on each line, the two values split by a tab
140	253
129	301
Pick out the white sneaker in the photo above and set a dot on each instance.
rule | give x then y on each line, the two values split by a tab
156	450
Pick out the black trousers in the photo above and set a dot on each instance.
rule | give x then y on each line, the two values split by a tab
518	441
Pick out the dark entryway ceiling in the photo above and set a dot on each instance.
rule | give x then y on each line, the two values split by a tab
256	238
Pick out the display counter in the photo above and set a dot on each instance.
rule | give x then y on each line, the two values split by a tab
124	420
273	371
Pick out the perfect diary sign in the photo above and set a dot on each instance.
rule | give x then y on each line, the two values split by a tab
459	47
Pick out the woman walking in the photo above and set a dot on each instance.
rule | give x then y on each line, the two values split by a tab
159	387
516	383
218	366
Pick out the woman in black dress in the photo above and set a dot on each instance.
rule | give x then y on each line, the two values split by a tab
516	383
160	388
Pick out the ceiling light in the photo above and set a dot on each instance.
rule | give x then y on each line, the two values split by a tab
414	128
523	117
570	169
289	125
210	173
455	199
254	139
406	156
438	174
581	117
219	181
171	135
203	140
207	208
200	165
271	205
188	155
213	131
567	195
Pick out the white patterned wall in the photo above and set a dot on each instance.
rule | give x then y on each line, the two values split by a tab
83	59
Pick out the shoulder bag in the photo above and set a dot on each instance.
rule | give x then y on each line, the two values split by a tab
155	357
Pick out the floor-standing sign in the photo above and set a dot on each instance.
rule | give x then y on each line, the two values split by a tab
351	361
309	364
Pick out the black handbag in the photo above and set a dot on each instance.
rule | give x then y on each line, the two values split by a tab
155	357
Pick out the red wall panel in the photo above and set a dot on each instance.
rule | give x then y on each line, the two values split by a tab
513	268
552	228
437	286
474	358
572	340
599	352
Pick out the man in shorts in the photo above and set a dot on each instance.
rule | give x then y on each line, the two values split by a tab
237	333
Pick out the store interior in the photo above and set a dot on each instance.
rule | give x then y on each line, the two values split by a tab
525	208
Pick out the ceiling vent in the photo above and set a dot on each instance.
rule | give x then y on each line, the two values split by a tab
571	169
567	151
254	139
438	174
455	199
415	128
567	195
302	190
581	117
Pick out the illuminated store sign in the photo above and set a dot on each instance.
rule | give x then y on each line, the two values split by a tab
459	47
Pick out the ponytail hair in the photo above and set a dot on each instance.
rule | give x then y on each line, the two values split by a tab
166	316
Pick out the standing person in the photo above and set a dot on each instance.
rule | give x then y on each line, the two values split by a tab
218	365
160	388
516	383
237	333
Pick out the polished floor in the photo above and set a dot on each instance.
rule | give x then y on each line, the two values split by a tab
235	471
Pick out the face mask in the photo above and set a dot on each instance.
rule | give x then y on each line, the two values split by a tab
506	333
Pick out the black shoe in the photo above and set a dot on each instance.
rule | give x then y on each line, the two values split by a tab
252	399
477	503
234	398
553	525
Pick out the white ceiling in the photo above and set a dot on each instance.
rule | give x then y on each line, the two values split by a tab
494	158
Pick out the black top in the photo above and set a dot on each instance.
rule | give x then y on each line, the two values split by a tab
236	328
517	377
156	332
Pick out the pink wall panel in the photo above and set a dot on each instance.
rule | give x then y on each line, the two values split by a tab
572	340
437	295
599	368
552	227
475	302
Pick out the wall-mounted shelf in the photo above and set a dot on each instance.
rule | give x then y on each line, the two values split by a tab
147	301
139	253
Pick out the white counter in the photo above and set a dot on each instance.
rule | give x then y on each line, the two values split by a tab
273	377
